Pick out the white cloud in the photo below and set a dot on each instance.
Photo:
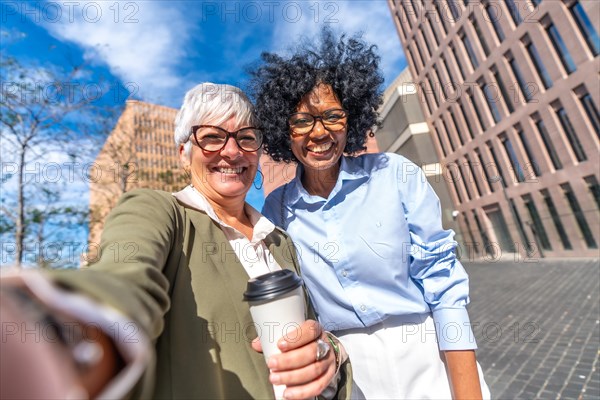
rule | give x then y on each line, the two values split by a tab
373	18
140	42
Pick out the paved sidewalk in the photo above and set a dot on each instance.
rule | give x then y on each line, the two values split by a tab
538	327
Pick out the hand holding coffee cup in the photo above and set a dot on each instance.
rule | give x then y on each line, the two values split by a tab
290	344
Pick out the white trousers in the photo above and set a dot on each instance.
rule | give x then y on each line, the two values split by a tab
399	359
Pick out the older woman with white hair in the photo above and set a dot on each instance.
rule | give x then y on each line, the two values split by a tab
183	284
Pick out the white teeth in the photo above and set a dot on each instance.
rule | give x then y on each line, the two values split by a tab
230	170
321	148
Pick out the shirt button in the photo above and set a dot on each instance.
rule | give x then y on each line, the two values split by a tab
363	308
344	273
378	224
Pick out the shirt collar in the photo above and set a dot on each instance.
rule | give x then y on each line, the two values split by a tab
191	197
350	169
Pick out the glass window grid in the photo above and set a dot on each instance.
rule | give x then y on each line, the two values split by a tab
424	92
592	112
537	223
465	182
505	96
439	138
470	50
521	81
484	236
519	222
513	10
485	171
560	229
571	135
433	30
455	185
434	91
479	34
491	99
495	20
526	146
401	23
424	39
406	14
512	157
456	127
472	172
482	123
440	85
441	16
448	134
470	232
467	124
449	74
561	48
579	216
594	188
456	59
497	164
423	59
539	65
586	27
454	9
541	127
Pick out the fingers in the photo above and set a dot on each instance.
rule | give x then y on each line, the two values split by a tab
308	332
256	345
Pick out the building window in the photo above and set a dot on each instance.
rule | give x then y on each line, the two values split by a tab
470	50
491	98
594	188
449	84
401	20
467	122
484	236
439	138
412	57
500	173
564	238
458	64
571	135
440	84
537	226
433	30
426	96
456	127
579	217
434	90
473	177
485	171
561	48
527	147
536	2
504	92
548	144
586	27
403	5
454	9
448	134
590	108
479	34
525	87
466	182
424	39
423	59
494	12
517	217
477	112
513	10
539	64
512	156
470	232
441	16
454	184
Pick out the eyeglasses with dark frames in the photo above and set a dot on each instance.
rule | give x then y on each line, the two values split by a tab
333	120
214	138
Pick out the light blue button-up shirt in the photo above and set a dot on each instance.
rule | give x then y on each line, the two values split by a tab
375	248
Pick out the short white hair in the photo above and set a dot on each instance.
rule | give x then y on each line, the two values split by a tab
211	104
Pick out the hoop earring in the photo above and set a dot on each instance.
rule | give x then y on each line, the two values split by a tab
262	179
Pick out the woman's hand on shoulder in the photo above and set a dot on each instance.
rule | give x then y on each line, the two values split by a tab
297	366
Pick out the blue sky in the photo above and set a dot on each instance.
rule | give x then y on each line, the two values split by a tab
160	49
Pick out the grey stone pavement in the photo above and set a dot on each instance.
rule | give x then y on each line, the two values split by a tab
538	327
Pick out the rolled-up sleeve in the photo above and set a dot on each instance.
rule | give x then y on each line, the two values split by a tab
433	264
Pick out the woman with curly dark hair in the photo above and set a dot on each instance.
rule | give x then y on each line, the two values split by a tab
380	269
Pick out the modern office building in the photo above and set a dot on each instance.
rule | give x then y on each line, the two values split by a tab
405	132
139	153
510	90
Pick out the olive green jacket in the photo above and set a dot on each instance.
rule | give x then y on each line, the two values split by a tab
172	270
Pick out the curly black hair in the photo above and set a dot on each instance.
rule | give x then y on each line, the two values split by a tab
349	65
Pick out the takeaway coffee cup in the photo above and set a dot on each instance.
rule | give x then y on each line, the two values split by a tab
277	307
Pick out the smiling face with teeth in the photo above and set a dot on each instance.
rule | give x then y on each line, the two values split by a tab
319	150
226	174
